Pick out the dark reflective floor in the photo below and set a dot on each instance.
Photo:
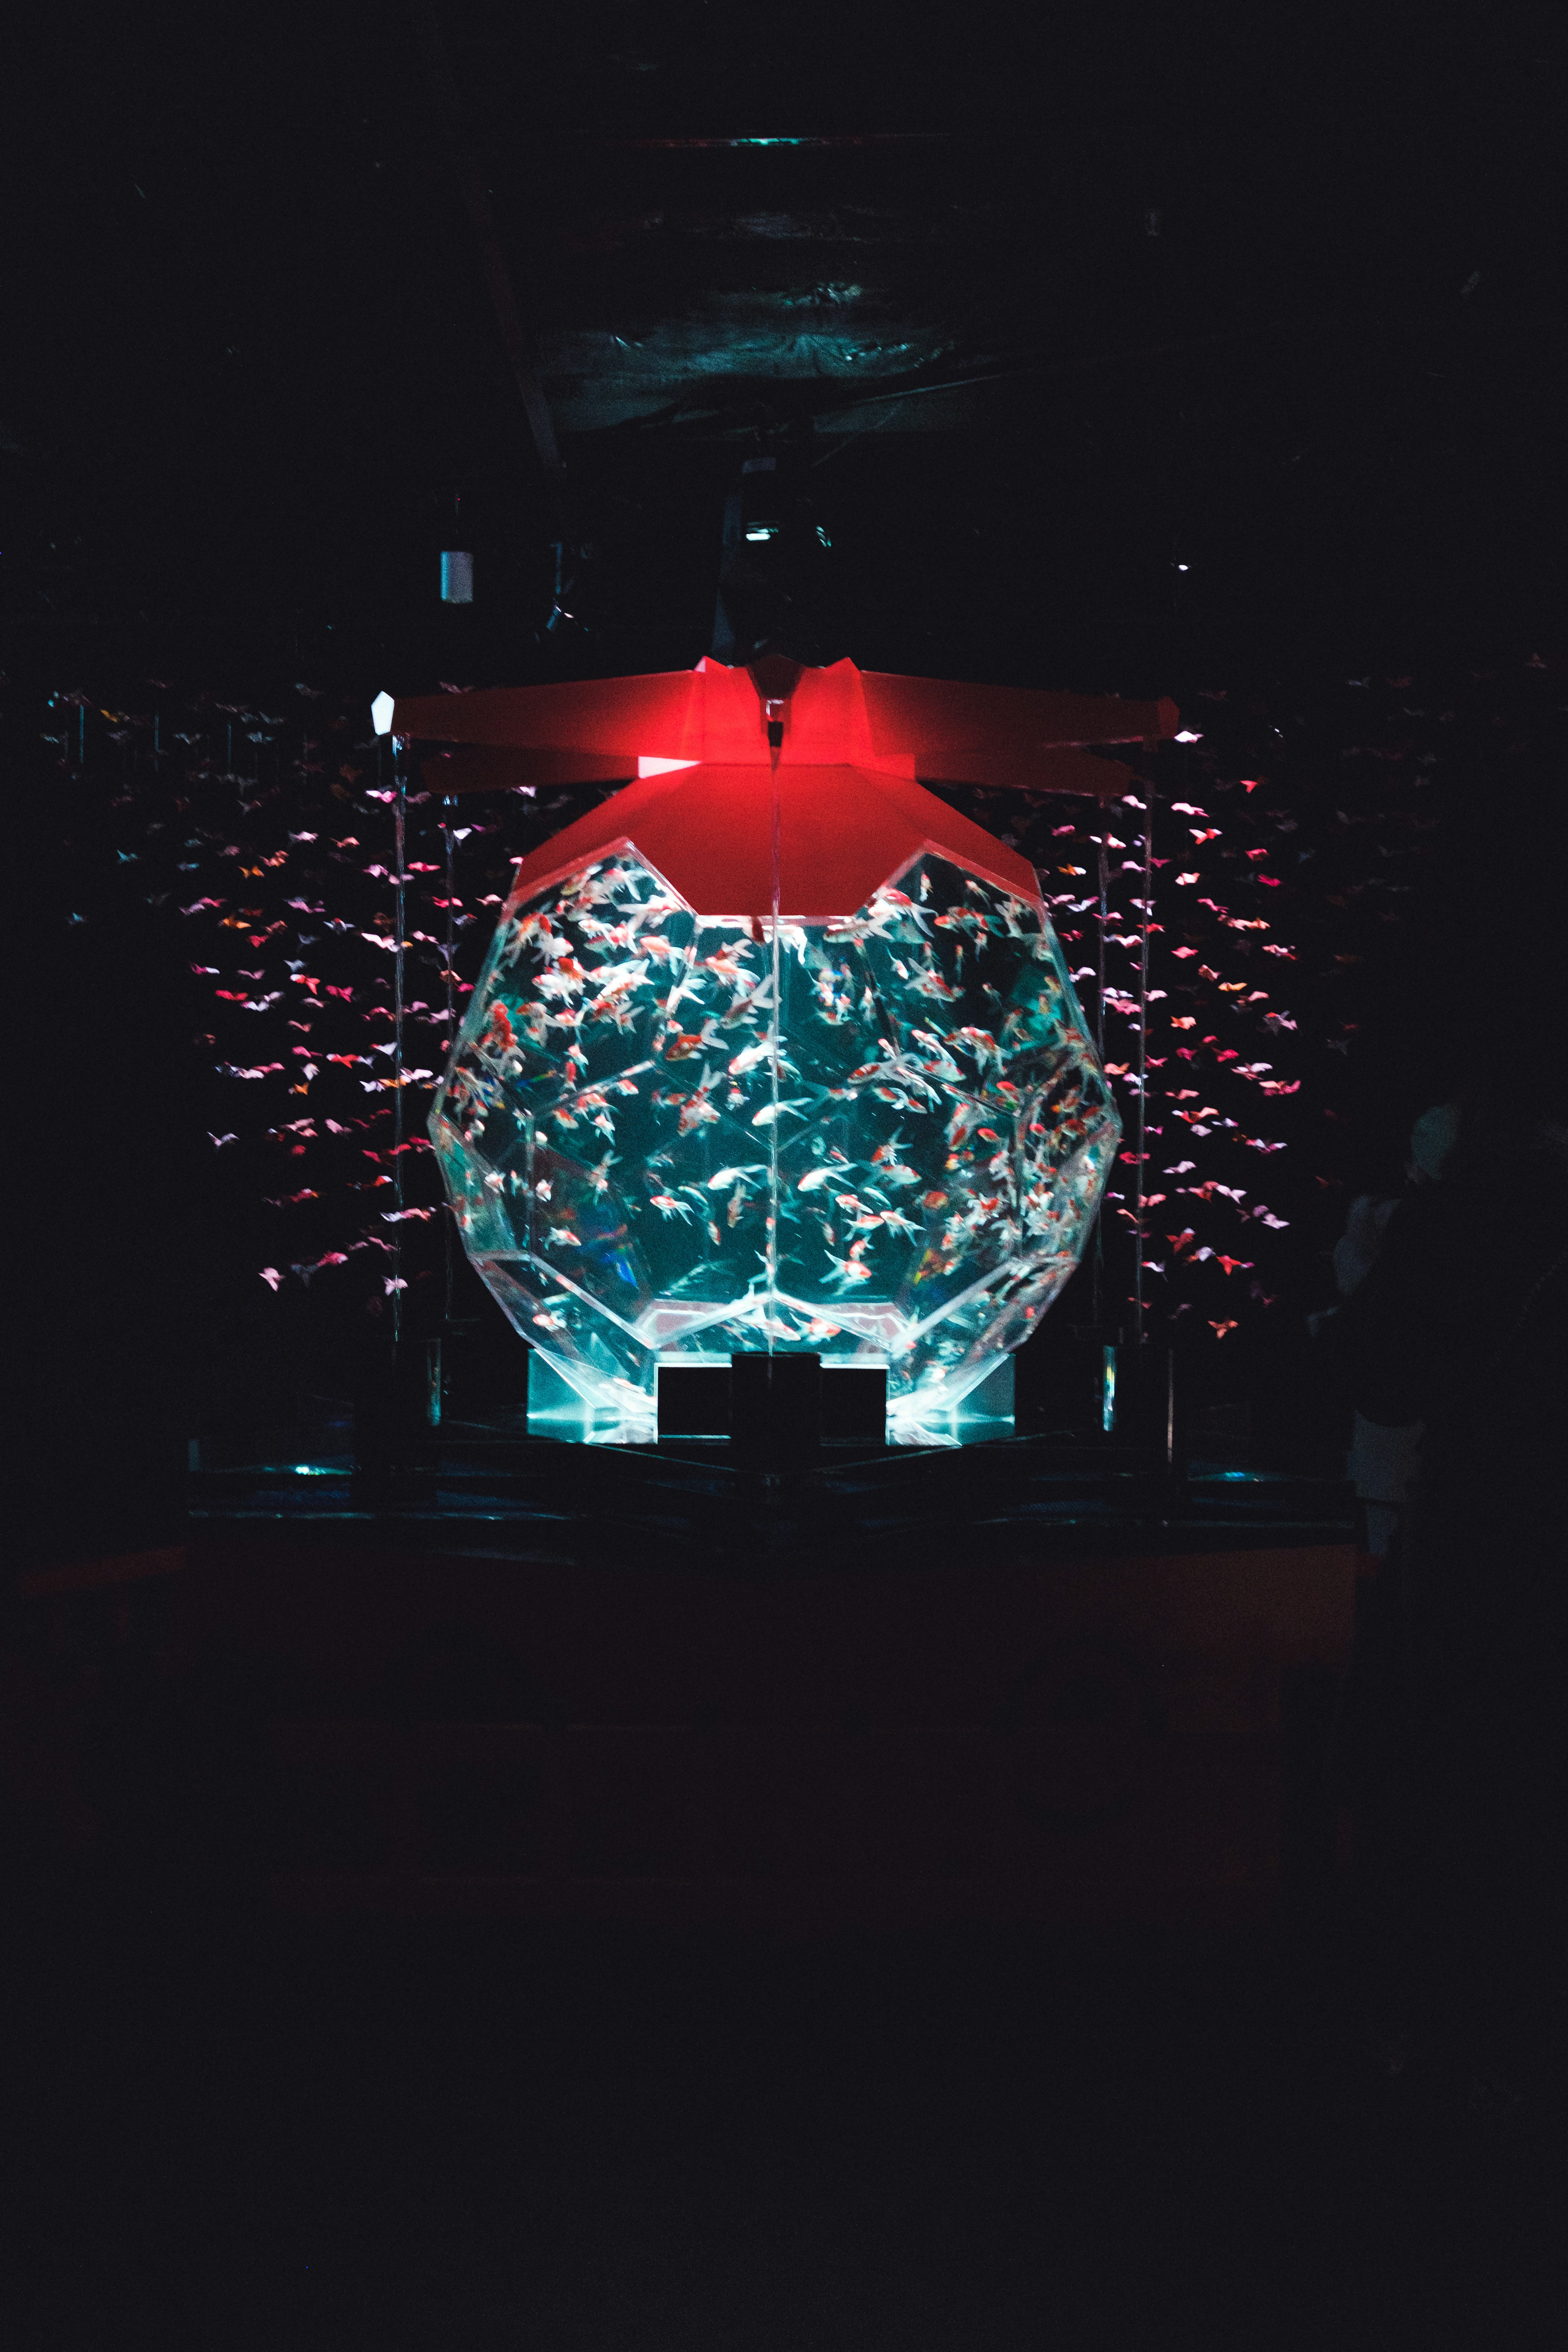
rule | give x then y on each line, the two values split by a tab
228	2131
232	2128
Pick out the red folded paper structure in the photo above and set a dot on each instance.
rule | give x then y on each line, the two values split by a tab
846	747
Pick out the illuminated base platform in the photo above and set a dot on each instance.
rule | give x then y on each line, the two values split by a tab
556	1410
506	1487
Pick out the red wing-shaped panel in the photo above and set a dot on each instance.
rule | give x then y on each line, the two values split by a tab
607	715
491	768
707	713
937	718
927	726
1059	771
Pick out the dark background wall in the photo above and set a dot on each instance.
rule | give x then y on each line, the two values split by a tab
1231	350
1282	301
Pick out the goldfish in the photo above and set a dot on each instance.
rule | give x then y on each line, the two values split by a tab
725	965
848	1269
748	1005
930	983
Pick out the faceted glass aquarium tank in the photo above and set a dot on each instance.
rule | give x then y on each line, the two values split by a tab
669	1135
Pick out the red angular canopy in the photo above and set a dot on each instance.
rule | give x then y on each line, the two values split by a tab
843	832
845	745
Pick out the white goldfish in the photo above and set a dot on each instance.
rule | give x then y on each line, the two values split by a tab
771	1111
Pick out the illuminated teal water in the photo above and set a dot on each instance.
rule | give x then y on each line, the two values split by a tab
883	1138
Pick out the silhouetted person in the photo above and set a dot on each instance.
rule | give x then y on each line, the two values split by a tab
1461	1325
1383	1455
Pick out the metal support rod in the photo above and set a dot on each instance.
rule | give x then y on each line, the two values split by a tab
399	825
777	1025
1097	1264
449	1029
1103	919
1140	1144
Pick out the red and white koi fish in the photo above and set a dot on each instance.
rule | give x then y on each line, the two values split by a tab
628	974
668	1206
929	982
771	1111
620	1007
726	963
748	1005
894	1219
983	1046
848	1270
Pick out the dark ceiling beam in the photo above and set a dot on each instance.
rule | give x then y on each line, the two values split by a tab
811	396
492	258
772	139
